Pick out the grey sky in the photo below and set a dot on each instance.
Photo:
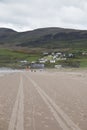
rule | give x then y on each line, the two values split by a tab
24	15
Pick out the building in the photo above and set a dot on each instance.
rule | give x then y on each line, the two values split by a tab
37	66
52	61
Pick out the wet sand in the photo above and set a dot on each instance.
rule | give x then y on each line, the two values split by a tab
43	100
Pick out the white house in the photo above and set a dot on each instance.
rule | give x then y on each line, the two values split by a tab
84	53
70	55
42	61
24	61
57	66
59	54
45	53
52	61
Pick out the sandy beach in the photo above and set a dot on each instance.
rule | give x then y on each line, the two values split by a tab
43	100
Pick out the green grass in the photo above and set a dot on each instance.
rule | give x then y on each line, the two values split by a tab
9	58
17	55
83	63
12	58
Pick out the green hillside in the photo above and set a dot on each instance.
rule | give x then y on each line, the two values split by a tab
44	38
9	58
30	45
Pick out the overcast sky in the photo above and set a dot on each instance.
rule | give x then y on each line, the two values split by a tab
23	15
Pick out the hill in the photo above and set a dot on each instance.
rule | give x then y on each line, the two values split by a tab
44	38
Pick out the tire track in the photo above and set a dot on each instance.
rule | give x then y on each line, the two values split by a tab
65	122
20	119
18	108
33	113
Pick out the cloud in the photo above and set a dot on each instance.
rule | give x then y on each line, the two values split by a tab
72	15
30	14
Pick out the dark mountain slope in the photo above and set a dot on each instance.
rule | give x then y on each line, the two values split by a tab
5	34
44	37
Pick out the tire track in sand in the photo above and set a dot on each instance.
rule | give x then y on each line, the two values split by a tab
17	120
61	117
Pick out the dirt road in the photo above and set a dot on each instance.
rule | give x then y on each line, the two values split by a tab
43	100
